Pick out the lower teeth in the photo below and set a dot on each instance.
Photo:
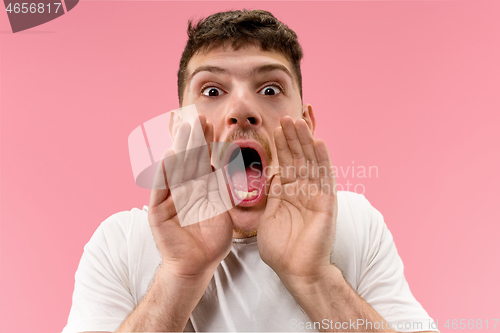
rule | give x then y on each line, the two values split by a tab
246	195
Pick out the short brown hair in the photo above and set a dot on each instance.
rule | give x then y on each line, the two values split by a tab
239	28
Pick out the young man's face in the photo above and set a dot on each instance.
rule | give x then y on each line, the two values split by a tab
244	94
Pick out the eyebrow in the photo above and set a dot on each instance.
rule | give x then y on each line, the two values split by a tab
211	69
272	67
259	70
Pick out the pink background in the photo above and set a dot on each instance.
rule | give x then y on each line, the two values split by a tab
412	88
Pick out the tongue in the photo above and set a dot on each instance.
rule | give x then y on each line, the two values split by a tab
250	177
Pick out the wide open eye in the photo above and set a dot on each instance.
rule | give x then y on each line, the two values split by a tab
212	91
270	90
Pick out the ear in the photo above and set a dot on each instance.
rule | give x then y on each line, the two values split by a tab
308	116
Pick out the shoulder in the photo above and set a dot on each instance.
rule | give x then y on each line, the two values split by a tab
121	223
106	274
356	213
119	230
122	248
354	205
359	230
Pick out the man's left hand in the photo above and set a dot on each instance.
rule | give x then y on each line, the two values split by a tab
297	229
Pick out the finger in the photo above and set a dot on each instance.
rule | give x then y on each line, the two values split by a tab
165	213
285	158
293	143
197	137
323	156
213	192
201	137
306	140
181	137
203	121
274	190
203	164
179	146
212	184
325	164
206	152
195	147
160	190
209	136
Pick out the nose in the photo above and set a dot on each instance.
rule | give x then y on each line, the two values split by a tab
243	112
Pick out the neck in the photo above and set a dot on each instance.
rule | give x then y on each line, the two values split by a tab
238	233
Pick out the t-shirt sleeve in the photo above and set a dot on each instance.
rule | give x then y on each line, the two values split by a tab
382	282
101	298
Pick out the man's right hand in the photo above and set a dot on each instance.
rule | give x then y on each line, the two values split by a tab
192	251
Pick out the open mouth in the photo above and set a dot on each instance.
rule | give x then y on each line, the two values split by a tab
246	182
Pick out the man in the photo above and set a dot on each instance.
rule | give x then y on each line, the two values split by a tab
293	254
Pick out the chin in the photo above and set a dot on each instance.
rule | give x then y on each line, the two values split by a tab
247	218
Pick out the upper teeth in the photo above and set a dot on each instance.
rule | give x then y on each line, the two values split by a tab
246	195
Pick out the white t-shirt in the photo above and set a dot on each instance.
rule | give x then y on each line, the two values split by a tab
120	260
